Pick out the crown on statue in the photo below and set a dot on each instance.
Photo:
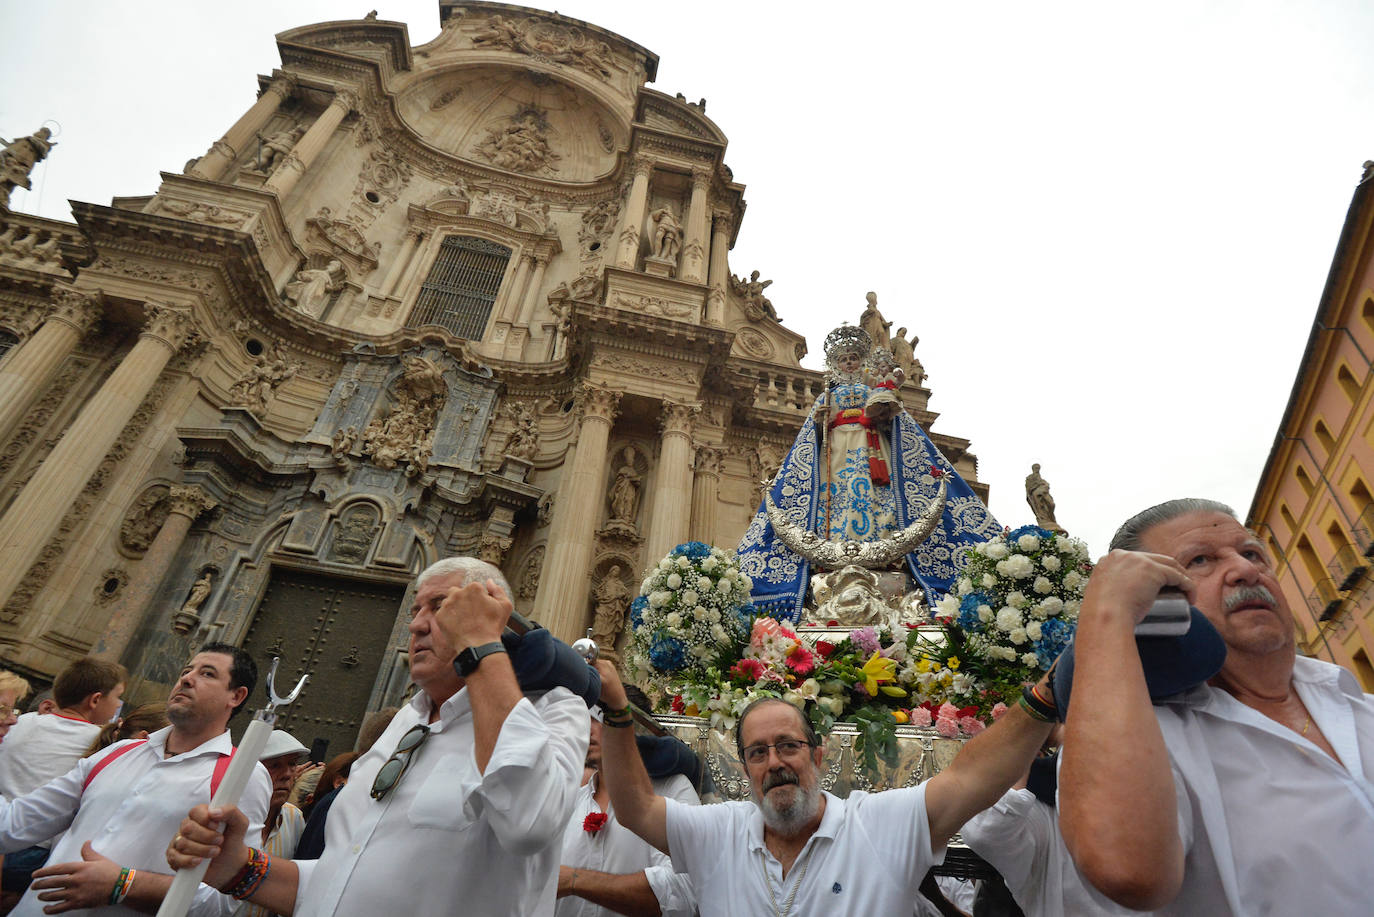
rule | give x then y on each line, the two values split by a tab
847	338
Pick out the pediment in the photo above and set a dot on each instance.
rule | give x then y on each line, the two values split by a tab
677	116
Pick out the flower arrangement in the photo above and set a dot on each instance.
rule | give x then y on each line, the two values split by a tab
691	614
699	643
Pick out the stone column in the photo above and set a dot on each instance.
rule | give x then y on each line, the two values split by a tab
32	365
720	268
399	263
186	504
510	306
628	254
532	291
561	604
38	509
705	493
694	245
285	176
672	510
235	140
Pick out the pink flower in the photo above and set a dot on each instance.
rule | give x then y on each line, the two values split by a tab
800	660
948	711
998	709
920	716
971	725
748	668
866	639
949	728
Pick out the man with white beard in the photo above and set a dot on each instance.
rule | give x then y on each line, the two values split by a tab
797	850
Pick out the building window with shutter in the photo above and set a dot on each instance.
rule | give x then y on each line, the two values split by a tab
461	287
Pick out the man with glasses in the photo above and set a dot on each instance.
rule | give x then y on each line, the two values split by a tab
797	850
459	807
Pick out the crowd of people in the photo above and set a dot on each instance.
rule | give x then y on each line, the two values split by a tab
1246	786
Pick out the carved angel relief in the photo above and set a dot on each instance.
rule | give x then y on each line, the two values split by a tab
522	145
406	433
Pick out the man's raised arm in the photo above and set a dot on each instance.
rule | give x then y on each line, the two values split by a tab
1117	802
637	807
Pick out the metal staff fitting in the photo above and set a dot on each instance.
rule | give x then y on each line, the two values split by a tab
586	648
186	881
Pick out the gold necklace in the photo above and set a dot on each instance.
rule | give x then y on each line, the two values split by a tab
1306	726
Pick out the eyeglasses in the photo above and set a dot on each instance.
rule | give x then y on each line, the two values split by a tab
787	748
396	765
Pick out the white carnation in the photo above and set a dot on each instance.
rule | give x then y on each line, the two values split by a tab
674	581
703	583
989	581
683	563
645	586
710	563
1017	636
985	613
1073	579
997	550
1008	619
1051	563
965	587
719	634
748	583
689	597
1030	659
659	599
1043	585
1028	542
701	613
1016	599
1033	630
1052	605
724	585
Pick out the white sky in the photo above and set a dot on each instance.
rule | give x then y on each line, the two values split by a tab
1110	224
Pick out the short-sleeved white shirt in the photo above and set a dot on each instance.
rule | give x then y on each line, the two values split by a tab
42	747
867	857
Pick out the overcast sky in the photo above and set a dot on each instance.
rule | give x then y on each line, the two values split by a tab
1109	224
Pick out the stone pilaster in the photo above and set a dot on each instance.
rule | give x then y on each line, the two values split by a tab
694	245
562	600
185	506
398	264
720	268
225	150
627	255
38	509
541	262
672	507
285	176
705	492
31	366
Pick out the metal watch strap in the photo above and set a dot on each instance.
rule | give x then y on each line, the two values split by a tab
470	658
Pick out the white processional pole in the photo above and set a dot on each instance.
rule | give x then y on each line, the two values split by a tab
186	881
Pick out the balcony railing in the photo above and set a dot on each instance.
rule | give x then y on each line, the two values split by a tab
1363	530
1347	568
1324	601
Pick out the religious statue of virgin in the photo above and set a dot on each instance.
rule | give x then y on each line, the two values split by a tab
863	476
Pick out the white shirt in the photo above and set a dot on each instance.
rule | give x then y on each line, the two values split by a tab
39	748
618	850
867	857
129	812
1019	836
448	838
1270	823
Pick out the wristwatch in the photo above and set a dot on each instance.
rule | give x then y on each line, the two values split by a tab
469	659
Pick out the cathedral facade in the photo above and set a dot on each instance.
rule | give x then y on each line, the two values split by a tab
471	297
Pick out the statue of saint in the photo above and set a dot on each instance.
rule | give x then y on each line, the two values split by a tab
1041	503
275	147
860	470
313	287
667	234
873	323
200	591
624	495
612	602
18	158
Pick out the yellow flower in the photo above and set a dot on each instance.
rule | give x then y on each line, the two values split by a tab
877	670
923	665
901	716
691	710
953	663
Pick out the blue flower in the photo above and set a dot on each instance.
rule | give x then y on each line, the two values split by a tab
1035	530
1055	636
667	654
693	549
968	619
637	611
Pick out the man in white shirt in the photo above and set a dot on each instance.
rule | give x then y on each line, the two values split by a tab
799	851
606	868
460	806
118	807
1253	793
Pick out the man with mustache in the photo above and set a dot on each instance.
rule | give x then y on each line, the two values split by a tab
1253	793
797	850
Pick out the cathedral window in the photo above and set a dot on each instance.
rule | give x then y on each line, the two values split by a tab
461	287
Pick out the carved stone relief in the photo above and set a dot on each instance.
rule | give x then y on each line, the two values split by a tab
110	584
527	583
750	292
198	212
655	305
620	362
548	40
521	145
345	239
354	533
406	432
256	388
523	440
380	182
611	598
624	492
755	344
144	519
763	464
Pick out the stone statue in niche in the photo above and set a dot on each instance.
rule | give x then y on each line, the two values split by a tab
144	520
188	616
904	352
763	464
343	441
667	234
612	599
353	536
256	387
756	305
523	441
521	146
1041	503
624	495
873	323
272	150
406	433
311	290
18	158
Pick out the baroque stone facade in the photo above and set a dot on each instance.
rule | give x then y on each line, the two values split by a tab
472	296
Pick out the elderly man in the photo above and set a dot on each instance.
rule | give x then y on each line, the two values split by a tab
120	805
1250	794
282	830
461	804
797	850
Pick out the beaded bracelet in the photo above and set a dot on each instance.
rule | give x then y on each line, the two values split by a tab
250	876
122	885
619	722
